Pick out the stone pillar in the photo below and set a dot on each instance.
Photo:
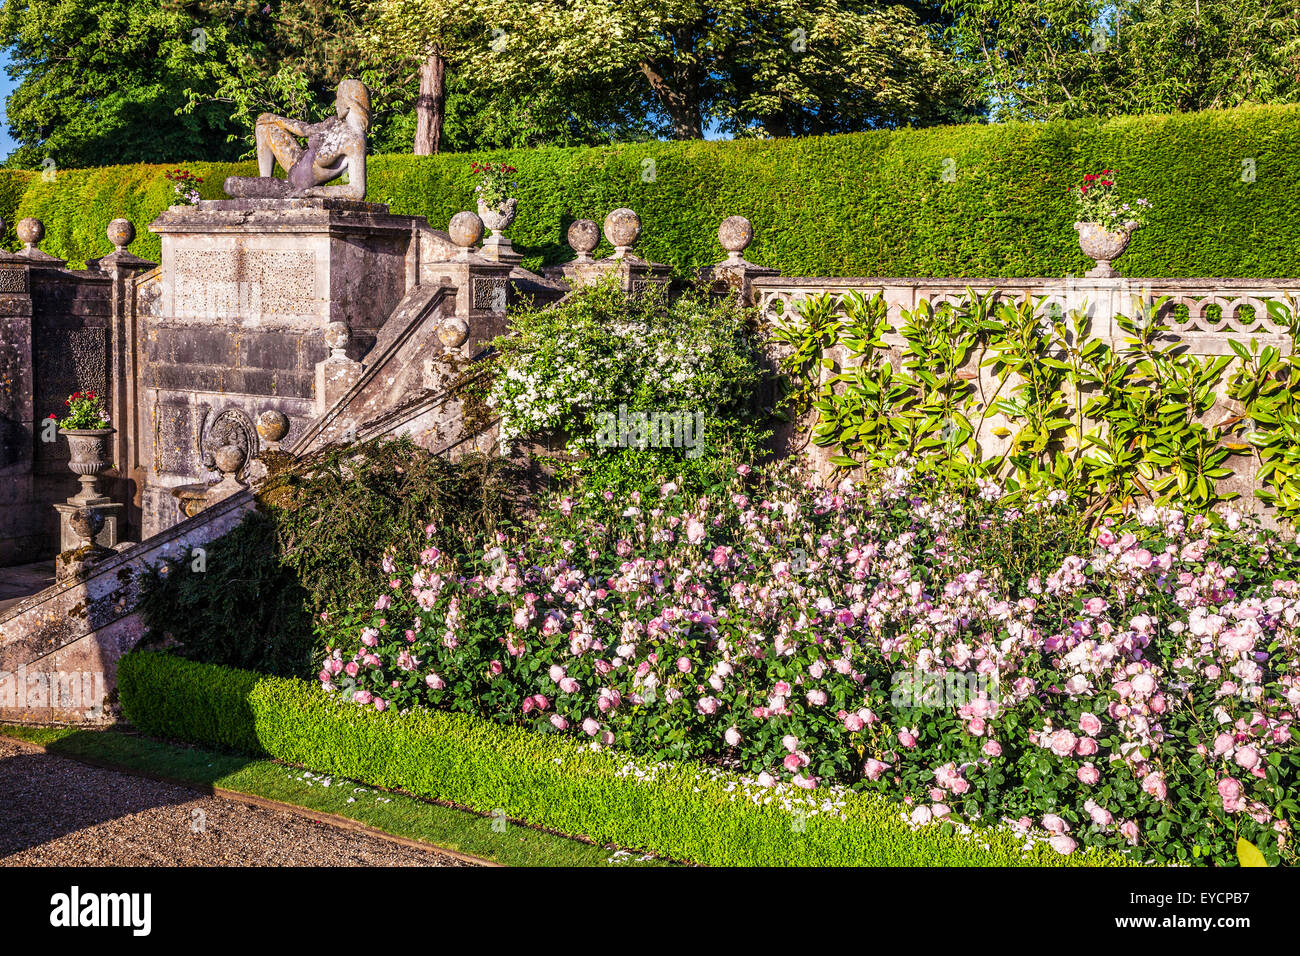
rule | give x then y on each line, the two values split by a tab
21	524
635	275
336	375
250	289
735	275
482	291
123	267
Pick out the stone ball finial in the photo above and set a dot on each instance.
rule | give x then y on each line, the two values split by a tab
86	524
121	233
622	228
31	231
465	229
735	234
272	425
229	459
337	335
453	333
583	236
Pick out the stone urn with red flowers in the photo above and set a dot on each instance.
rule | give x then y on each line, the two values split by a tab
1105	221
87	429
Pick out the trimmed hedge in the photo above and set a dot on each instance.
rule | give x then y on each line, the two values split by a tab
682	811
871	203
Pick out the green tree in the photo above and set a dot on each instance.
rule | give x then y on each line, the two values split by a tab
100	81
1043	59
782	67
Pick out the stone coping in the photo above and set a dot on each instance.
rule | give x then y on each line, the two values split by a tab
768	281
334	216
127	556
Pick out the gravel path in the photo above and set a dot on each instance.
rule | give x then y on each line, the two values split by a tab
57	812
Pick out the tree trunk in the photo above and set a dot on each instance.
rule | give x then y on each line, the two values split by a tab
683	111
429	113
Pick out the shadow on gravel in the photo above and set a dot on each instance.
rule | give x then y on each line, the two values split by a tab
44	796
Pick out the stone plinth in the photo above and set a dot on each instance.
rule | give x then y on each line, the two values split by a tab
111	535
246	291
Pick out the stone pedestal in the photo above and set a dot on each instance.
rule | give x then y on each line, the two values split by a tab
735	274
111	534
247	290
634	274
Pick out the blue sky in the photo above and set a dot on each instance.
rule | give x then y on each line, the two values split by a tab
7	85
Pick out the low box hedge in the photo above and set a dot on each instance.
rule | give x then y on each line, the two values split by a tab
683	811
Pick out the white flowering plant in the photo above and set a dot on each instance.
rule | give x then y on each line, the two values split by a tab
636	388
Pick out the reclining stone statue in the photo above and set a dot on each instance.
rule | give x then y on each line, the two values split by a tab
334	146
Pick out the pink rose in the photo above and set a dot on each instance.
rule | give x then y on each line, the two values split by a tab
992	748
1088	774
1062	743
1054	824
1247	758
732	737
1090	724
435	682
1154	785
591	726
1063	845
558	722
1230	790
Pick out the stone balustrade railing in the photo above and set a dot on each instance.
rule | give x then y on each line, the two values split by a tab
1203	313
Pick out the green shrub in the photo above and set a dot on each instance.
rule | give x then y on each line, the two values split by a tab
641	391
317	543
683	811
874	203
174	698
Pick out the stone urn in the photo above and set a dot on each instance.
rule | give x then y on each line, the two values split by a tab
499	218
89	448
496	247
1102	246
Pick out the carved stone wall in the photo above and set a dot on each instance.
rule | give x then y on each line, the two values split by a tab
54	340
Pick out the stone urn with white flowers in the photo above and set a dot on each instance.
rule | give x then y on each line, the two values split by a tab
1105	222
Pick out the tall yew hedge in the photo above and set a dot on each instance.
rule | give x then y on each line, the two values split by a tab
872	203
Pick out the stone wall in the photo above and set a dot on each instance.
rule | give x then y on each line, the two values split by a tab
235	324
56	342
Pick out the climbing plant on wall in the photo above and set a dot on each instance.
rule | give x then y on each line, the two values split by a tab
1057	408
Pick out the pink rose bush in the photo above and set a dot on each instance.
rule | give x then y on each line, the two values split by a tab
983	663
